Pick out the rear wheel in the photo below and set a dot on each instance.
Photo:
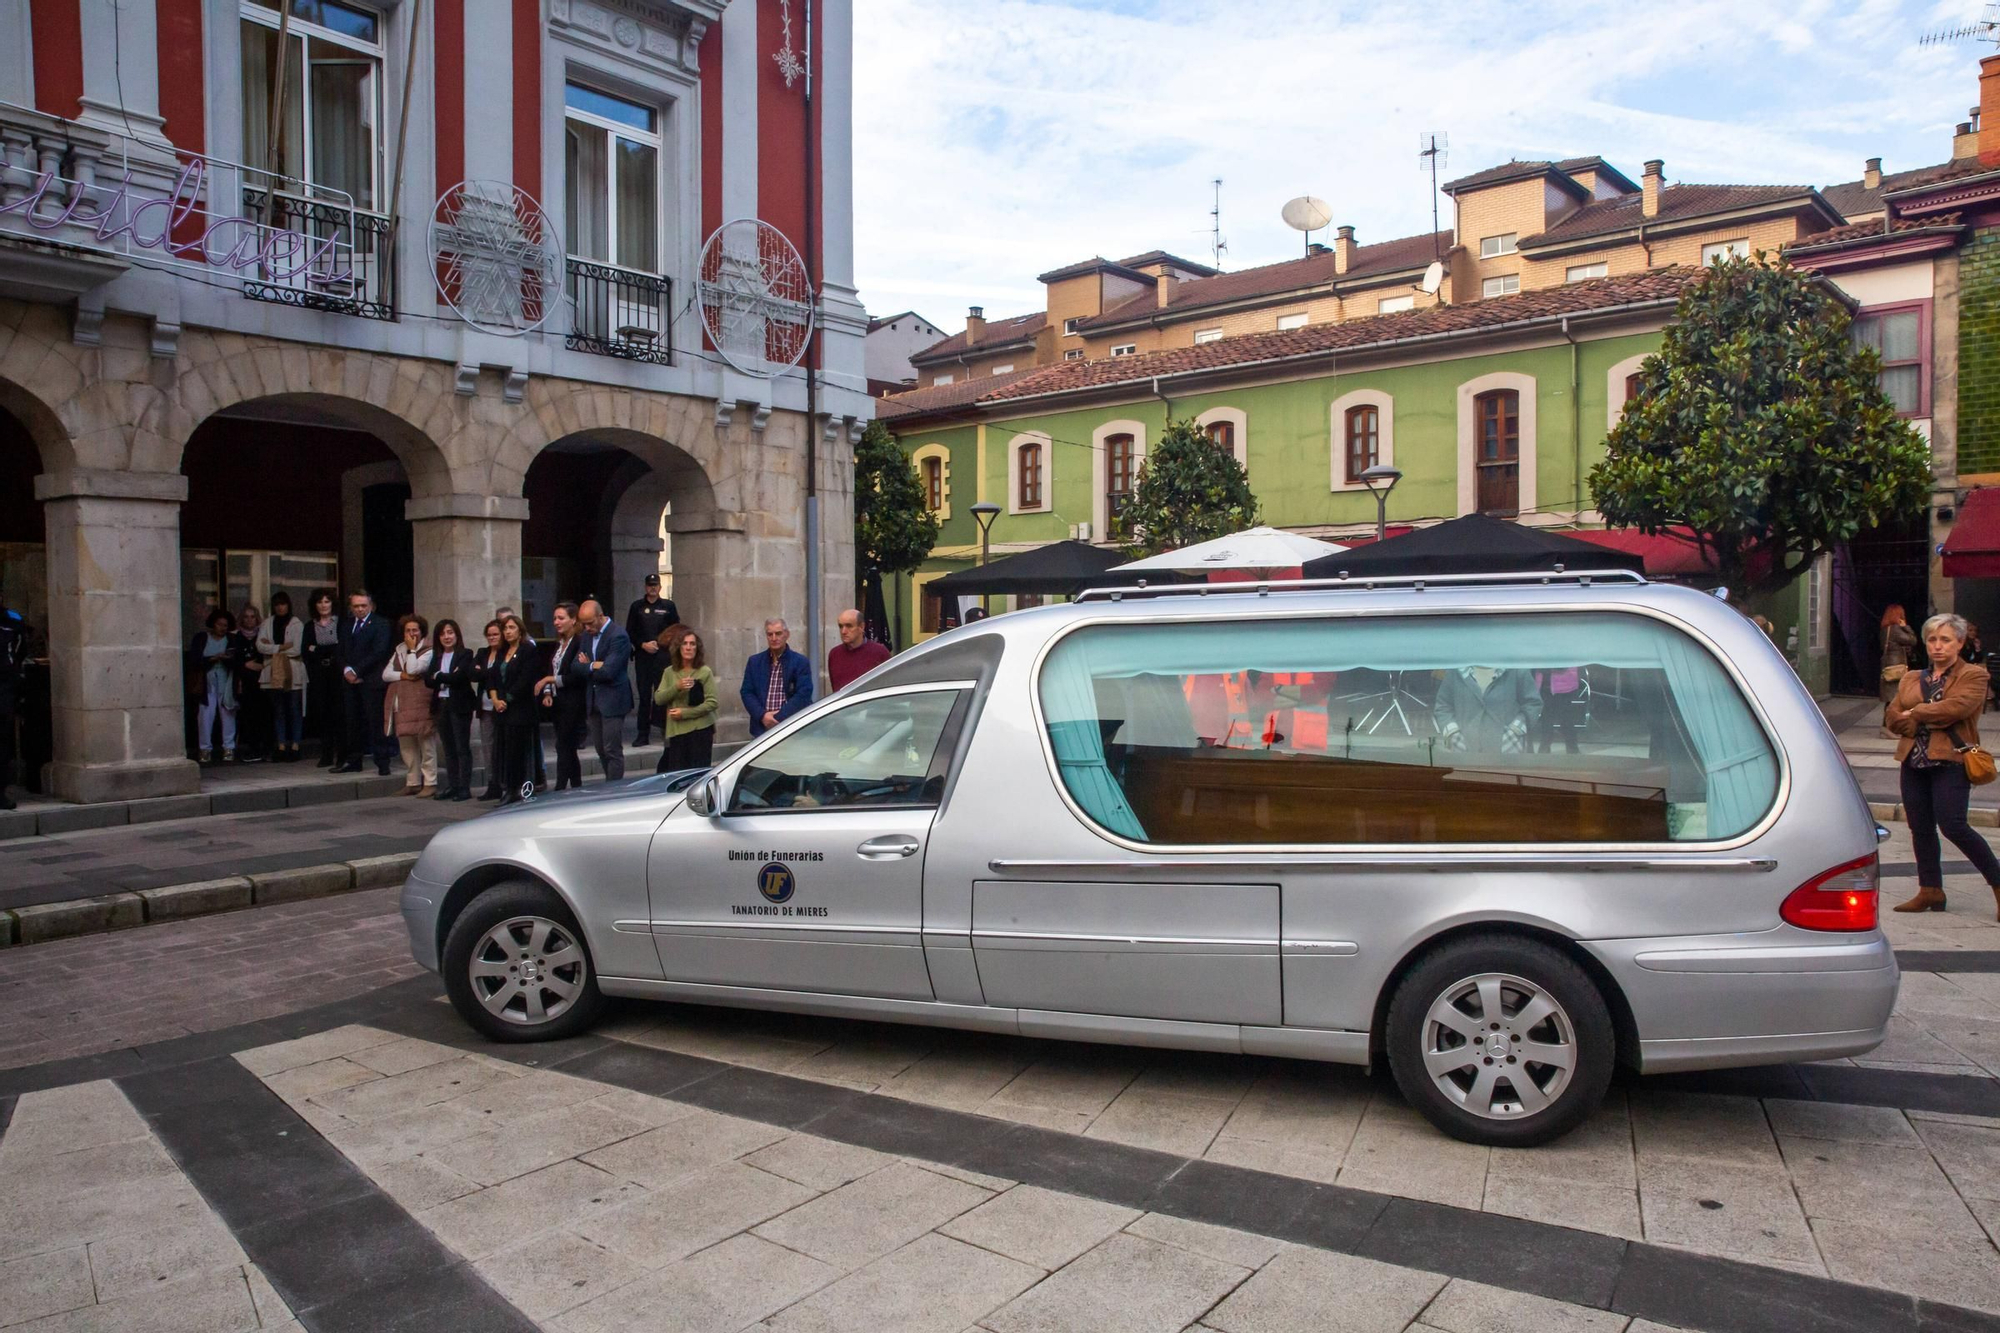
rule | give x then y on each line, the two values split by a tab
1501	1041
516	967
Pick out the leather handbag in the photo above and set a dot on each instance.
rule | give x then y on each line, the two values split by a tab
1978	761
1894	672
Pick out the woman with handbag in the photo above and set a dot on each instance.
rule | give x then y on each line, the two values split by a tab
1899	644
689	702
565	694
280	642
1936	712
510	686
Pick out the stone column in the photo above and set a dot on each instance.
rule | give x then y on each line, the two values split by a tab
115	633
468	556
718	592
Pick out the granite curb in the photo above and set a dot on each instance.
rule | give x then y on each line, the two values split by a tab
176	902
1892	813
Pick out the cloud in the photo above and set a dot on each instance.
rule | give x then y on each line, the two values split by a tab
996	140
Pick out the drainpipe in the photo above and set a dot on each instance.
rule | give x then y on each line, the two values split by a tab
1164	399
1575	424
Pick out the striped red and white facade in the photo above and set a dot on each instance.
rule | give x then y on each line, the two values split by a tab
639	126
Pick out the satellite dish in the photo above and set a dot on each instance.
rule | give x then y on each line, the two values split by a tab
756	297
1306	213
1433	278
495	257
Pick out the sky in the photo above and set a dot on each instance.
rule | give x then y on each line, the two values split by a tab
998	139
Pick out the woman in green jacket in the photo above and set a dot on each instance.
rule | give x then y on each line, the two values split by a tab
687	694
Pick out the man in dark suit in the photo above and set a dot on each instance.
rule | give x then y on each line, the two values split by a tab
608	649
777	682
365	645
649	618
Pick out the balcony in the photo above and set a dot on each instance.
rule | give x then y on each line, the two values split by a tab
355	273
620	312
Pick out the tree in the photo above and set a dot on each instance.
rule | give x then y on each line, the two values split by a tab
1761	427
1190	490
893	531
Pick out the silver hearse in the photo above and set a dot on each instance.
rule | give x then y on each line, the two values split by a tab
1496	834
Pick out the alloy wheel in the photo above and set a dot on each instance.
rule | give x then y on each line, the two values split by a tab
1499	1046
528	970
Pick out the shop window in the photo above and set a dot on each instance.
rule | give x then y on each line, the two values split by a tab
1364	435
611	179
1524	727
1497	422
326	140
1897	335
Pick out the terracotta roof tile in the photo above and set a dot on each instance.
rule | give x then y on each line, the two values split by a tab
998	333
1659	285
1165	257
1944	171
1290	275
1676	201
1856	232
1851	198
944	397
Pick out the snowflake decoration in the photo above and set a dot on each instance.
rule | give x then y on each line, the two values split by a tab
788	60
494	257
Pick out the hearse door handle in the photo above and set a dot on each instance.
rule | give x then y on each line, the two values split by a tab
888	848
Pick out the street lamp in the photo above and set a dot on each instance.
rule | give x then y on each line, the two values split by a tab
1380	480
983	514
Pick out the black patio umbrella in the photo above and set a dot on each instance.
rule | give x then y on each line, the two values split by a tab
1059	569
1474	544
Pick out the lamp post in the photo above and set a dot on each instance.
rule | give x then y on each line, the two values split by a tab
1380	480
983	514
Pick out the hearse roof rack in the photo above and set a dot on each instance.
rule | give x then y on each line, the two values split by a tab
1582	577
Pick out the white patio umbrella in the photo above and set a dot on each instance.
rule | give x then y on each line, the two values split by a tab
1253	548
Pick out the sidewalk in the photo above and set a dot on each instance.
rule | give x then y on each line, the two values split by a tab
1857	725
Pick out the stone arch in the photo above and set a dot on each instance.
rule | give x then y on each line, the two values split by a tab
682	426
41	424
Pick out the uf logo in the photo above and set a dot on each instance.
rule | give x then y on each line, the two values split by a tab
775	882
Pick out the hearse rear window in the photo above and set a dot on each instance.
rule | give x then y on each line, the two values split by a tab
1500	728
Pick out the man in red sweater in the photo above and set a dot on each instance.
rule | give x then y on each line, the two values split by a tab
855	655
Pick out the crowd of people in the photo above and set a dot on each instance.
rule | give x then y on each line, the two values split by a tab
366	690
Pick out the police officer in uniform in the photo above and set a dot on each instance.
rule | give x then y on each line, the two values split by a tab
650	617
13	663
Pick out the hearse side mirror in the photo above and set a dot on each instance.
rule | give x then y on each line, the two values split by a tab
705	798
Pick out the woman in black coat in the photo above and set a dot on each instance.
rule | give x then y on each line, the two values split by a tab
510	684
454	679
565	694
319	649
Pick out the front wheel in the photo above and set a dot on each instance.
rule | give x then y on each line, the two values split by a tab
516	967
1501	1041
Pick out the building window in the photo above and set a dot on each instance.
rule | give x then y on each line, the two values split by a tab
1578	272
1631	386
1028	465
933	484
1125	349
329	134
1491	247
1496	417
1073	354
1069	326
1119	452
1003	370
1717	250
1297	321
1207	336
1024	601
1897	335
611	179
1222	434
1390	305
1505	285
943	379
930	613
1364	436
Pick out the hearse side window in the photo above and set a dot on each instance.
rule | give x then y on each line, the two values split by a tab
1508	728
877	752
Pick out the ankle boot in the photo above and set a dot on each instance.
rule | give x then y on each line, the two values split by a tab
1928	900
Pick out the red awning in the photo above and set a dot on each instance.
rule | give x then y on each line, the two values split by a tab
1972	551
1665	555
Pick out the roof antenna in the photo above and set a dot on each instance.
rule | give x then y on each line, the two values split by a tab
1217	247
1986	29
1433	147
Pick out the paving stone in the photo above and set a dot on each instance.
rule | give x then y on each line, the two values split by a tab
1245	1249
1891	1189
1039	1226
285	886
663	1225
932	1285
817	1163
296	1085
960	1077
1597	1152
549	1274
392	1137
217	1302
651	1112
564	1196
1072	1083
1943	1268
420	1087
247	800
866	1062
81	916
124	1265
153	809
873	1215
77	818
1473	1307
7	930
66	1120
1397	1152
1126	1285
44	1284
1843	1124
17	824
758	1050
1729	1208
1303	1162
319	793
1305	1291
403	1055
197	899
419	1182
377	872
1610	1210
730	1286
514	1150
1698	1125
539	1091
264	1061
1969	1154
684	1147
272	1311
1168	1122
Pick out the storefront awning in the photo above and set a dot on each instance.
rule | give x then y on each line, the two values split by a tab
1666	556
1972	551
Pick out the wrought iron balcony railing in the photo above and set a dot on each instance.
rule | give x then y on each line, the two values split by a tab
620	312
365	242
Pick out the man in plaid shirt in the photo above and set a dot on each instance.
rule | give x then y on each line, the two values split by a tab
777	682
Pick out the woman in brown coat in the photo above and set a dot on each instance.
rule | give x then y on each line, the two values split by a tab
1936	712
1899	644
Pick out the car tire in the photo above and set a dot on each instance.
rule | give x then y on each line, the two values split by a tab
1466	1024
517	968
